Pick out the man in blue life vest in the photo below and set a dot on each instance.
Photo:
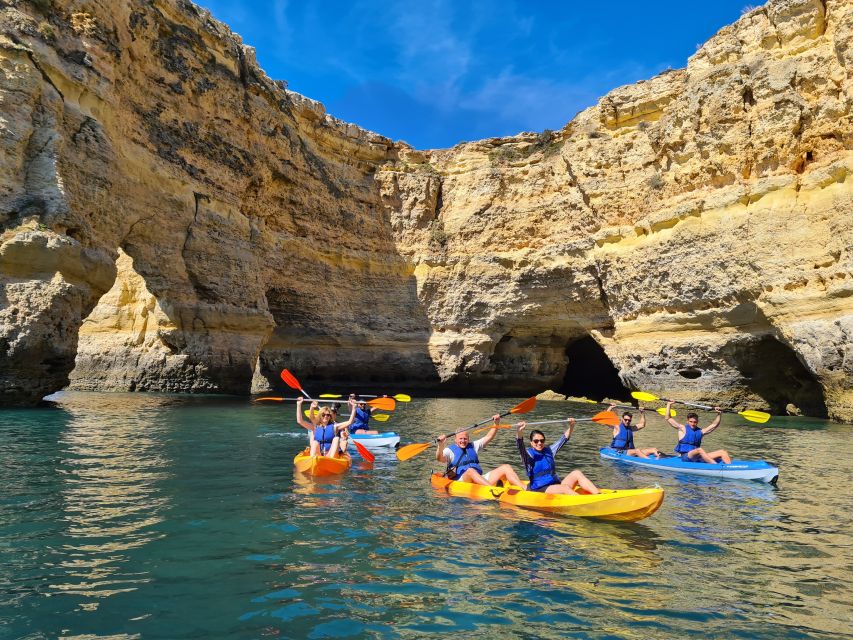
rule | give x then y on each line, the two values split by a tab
623	435
362	417
539	463
690	437
463	463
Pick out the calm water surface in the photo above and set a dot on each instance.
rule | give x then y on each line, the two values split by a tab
144	516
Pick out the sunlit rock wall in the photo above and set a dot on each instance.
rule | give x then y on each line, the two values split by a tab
696	225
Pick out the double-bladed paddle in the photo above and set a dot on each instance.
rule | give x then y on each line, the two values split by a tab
385	404
602	417
411	450
749	414
379	417
399	397
659	410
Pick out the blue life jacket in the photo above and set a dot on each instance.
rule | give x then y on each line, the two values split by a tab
624	440
463	459
325	435
691	440
362	418
541	469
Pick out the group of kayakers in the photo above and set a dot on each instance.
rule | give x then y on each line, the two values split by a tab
326	436
463	464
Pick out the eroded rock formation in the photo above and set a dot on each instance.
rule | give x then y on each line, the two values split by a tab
200	227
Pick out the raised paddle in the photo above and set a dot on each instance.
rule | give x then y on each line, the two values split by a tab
379	417
659	410
400	397
411	450
291	381
752	416
602	417
385	404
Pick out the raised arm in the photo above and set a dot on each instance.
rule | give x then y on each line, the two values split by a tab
715	423
340	426
642	422
439	451
299	419
490	435
669	418
566	435
519	441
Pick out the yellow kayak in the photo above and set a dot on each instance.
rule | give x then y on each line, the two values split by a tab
610	504
322	465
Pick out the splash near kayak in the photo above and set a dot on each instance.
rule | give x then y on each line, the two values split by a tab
320	466
736	470
627	505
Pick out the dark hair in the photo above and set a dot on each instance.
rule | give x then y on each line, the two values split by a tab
534	432
692	415
335	407
627	413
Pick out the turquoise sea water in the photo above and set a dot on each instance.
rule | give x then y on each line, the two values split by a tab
145	516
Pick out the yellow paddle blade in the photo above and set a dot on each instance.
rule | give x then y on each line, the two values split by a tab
331	395
573	399
380	417
411	450
606	417
402	397
662	411
755	416
642	396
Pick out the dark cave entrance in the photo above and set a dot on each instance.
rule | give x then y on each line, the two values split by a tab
590	373
771	370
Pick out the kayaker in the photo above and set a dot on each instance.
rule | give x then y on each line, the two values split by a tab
623	435
463	464
690	437
362	417
541	469
327	437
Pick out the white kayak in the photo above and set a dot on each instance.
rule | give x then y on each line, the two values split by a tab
373	441
737	469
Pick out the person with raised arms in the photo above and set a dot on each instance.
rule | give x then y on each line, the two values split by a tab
327	437
362	417
690	438
463	463
623	435
540	466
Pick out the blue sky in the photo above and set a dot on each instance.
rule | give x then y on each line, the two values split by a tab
437	72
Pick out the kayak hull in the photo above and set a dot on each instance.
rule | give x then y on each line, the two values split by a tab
738	469
374	441
319	466
627	505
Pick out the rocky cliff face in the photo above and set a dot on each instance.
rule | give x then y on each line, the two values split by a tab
172	219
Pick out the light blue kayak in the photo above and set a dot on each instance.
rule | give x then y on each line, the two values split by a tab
373	441
737	469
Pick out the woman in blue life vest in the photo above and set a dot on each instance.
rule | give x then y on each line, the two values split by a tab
539	463
463	461
623	435
690	437
363	411
327	437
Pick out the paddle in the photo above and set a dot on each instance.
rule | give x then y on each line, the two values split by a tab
379	417
659	410
400	397
385	404
362	450
291	381
602	417
752	416
411	450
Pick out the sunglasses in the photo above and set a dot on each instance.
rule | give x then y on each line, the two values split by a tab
538	441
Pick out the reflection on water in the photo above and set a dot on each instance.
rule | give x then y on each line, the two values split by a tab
174	517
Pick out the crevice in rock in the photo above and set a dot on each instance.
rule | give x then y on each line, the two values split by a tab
586	199
590	373
35	62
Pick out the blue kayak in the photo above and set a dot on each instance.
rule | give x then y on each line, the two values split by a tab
374	441
737	469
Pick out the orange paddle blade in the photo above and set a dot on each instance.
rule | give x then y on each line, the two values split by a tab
411	450
362	450
386	404
268	400
525	406
606	417
290	380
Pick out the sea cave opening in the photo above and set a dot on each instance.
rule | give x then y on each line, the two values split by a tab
590	373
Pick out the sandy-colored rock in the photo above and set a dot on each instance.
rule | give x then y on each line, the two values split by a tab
201	227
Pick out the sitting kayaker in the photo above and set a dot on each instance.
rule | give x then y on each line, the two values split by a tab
690	437
463	463
623	435
362	418
539	462
327	437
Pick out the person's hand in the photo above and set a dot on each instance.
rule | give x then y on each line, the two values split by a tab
718	410
300	400
520	427
611	407
641	409
669	403
568	432
496	418
351	403
441	438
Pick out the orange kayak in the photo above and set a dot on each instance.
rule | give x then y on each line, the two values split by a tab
322	465
610	504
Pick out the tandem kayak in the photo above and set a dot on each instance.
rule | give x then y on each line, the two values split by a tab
610	504
322	465
738	469
373	441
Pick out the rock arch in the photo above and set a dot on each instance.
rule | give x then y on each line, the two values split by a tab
590	373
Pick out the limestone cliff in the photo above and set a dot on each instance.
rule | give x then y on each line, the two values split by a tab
175	220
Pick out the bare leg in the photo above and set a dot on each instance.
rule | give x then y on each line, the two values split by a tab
720	453
651	451
700	453
365	432
314	449
576	477
472	476
333	449
637	453
504	471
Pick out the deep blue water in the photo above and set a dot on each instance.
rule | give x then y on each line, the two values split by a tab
146	516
